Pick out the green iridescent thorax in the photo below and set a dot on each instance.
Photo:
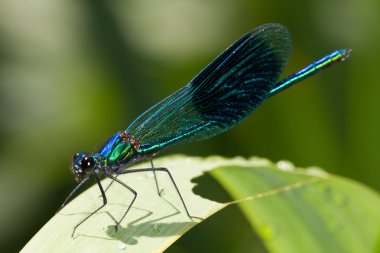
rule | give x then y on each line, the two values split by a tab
121	153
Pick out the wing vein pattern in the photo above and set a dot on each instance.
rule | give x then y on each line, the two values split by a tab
220	96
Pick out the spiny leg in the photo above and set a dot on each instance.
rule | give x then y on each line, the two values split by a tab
172	180
104	203
114	178
72	193
108	186
159	192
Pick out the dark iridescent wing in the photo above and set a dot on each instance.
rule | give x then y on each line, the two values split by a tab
220	96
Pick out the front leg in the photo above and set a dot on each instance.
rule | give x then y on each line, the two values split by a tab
104	203
72	193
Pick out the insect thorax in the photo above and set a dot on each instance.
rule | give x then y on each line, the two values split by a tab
121	149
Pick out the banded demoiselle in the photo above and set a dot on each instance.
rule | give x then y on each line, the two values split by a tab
217	99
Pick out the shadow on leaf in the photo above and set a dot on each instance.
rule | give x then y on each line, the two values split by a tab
207	187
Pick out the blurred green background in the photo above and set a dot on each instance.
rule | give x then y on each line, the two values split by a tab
74	72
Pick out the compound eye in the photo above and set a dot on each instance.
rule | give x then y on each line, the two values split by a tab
87	162
75	156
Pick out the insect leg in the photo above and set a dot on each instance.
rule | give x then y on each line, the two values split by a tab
114	178
72	193
155	179
104	203
108	186
172	180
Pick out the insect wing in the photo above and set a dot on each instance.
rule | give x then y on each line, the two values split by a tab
221	95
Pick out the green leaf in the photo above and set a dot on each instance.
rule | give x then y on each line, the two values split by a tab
292	210
152	224
299	210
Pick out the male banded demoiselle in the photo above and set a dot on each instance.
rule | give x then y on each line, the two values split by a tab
217	99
